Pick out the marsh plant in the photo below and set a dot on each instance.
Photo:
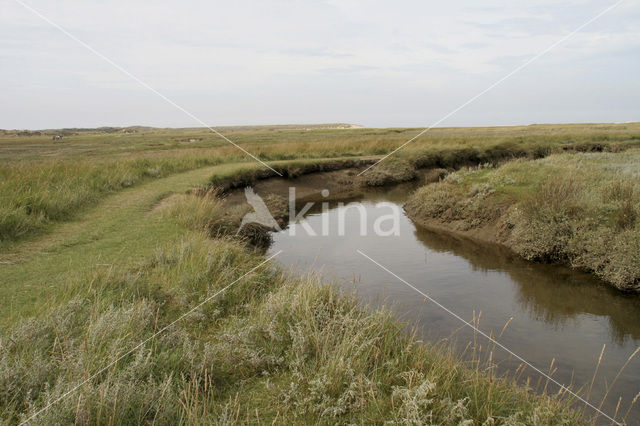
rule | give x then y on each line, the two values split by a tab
579	209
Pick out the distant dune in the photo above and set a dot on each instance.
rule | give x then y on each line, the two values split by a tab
147	129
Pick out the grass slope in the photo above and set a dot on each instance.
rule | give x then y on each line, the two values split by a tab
581	209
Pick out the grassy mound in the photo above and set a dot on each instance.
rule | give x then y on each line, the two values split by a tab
580	209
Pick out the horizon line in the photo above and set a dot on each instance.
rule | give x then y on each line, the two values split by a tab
317	126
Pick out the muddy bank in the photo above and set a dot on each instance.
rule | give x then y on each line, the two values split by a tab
424	167
493	233
562	234
336	180
576	210
289	170
499	231
573	313
396	169
317	187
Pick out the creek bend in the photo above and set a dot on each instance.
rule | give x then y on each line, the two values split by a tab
554	314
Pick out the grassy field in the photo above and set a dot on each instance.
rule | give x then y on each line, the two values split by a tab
44	181
580	209
103	245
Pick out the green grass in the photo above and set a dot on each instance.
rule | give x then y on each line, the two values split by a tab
44	181
581	209
35	194
103	243
122	228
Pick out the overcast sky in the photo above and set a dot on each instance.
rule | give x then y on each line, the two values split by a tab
377	64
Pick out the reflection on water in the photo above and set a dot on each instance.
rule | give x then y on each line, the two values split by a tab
549	293
558	314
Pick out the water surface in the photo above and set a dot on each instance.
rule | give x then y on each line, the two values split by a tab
557	314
